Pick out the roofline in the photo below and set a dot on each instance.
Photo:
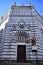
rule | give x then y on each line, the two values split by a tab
5	16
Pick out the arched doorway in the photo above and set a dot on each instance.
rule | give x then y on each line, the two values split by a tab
21	47
21	53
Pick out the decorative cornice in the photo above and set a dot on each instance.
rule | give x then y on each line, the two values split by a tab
7	14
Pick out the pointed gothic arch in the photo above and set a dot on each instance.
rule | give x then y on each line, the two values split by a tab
21	22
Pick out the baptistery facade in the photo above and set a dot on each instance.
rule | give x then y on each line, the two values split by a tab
21	34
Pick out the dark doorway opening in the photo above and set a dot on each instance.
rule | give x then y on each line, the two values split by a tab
21	53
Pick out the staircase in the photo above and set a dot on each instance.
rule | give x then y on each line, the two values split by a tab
20	64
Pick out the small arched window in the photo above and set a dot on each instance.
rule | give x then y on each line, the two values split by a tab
33	41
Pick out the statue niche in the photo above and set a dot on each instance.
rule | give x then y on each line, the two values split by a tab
21	36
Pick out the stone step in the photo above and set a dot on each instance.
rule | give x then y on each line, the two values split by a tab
20	64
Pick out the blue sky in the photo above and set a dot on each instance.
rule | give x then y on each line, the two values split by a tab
5	5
